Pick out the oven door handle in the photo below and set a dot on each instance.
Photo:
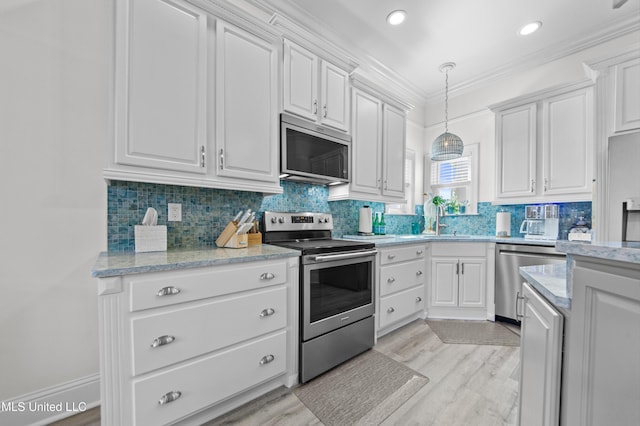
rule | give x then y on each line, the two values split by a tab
341	256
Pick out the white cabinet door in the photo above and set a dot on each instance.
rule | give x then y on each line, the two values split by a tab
567	143
335	97
627	98
540	361
394	152
161	71
300	81
444	282
516	152
246	107
367	143
472	283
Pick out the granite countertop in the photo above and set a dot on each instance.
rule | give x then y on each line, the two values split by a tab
615	250
393	239
125	263
550	281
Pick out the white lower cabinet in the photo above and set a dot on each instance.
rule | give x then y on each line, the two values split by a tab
458	281
401	286
540	361
216	338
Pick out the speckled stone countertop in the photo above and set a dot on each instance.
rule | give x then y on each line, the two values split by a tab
550	281
391	240
125	263
619	251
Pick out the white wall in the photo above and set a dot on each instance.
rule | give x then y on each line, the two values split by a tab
470	119
54	67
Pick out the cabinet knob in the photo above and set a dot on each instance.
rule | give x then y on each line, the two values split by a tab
391	280
391	256
315	106
546	183
419	273
169	397
162	340
419	252
391	310
418	299
267	359
168	291
267	276
267	312
324	111
533	186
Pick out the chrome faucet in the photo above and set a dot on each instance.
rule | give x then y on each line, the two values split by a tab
439	212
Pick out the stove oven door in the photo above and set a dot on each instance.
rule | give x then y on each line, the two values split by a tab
337	290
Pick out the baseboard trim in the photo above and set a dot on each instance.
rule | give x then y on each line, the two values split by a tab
51	404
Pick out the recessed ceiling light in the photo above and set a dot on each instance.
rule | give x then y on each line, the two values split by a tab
396	17
530	28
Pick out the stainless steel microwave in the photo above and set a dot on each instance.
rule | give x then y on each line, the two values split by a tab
313	153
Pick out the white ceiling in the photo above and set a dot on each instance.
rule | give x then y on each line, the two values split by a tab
480	36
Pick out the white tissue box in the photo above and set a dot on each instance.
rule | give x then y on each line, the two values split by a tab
150	238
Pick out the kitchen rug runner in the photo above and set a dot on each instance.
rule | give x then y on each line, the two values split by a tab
363	391
474	332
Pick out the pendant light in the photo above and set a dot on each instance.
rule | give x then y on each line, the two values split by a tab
447	146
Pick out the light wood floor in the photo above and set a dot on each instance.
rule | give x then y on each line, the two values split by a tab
469	385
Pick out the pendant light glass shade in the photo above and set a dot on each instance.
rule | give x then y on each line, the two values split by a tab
447	146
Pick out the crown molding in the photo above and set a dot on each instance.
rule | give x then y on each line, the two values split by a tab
541	94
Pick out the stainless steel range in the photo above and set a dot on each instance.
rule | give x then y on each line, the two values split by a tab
336	289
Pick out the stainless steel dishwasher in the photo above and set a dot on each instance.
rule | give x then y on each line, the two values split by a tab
509	258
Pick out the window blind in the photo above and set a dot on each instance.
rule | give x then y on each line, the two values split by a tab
451	171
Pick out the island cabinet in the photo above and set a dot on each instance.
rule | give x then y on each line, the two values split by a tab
540	361
401	286
602	372
537	137
377	152
314	88
186	84
188	345
458	281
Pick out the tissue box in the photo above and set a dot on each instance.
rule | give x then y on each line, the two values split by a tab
150	238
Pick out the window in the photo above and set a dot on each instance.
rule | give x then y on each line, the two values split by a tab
409	187
455	178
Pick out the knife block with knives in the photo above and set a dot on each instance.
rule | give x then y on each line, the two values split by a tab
241	232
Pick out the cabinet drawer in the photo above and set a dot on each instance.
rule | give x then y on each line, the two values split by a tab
459	249
205	328
207	381
402	254
400	305
394	278
168	288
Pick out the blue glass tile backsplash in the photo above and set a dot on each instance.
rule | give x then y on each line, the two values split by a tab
206	211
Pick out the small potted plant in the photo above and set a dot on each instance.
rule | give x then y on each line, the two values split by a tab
463	206
452	206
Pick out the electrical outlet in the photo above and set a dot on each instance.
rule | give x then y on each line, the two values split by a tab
175	212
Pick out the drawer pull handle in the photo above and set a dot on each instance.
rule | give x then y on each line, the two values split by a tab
391	256
391	280
169	397
162	340
419	252
391	310
418	299
168	291
419	273
267	359
267	312
267	276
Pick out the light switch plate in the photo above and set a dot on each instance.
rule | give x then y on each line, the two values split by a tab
175	212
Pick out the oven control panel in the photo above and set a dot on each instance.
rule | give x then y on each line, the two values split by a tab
286	221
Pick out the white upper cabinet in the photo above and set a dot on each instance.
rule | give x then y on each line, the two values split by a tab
378	151
627	96
160	85
314	88
246	106
196	99
516	151
544	146
567	143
